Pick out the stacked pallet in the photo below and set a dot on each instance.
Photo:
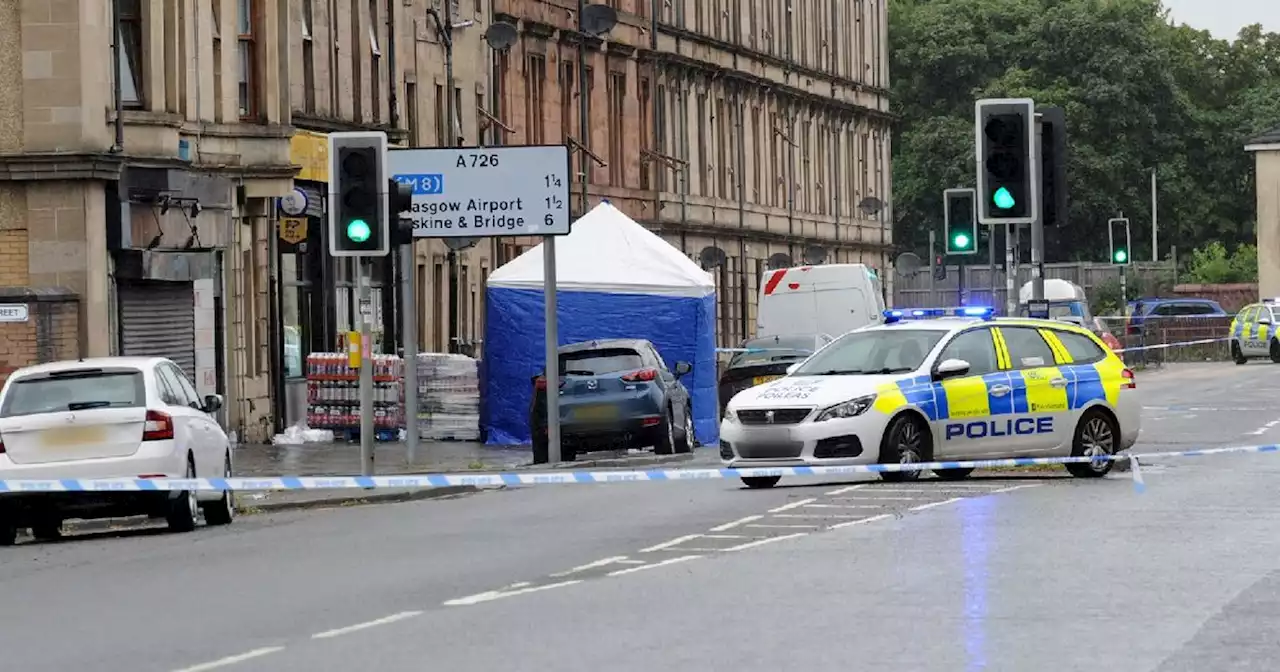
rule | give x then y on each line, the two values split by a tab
448	397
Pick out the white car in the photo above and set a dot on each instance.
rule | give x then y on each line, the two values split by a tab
956	385
112	417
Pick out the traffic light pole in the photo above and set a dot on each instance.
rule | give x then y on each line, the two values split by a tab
933	265
1010	270
1037	228
409	335
366	370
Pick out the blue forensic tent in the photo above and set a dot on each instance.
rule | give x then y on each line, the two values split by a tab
615	279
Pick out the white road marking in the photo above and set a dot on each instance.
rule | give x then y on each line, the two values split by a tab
727	536
1017	487
793	505
590	565
860	521
1265	428
232	660
730	526
366	625
497	595
930	505
940	488
762	542
851	488
827	515
517	585
668	544
785	527
845	506
664	563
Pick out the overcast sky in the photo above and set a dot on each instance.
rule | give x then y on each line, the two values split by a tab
1225	18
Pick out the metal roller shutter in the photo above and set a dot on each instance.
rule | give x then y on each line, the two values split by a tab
157	319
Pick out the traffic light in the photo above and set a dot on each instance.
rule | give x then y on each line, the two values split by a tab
358	208
960	225
399	202
1053	166
1118	239
1006	156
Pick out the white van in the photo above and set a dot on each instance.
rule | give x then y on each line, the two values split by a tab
1067	301
831	299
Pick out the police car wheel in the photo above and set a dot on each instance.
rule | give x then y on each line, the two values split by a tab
1275	351
760	482
905	442
1236	355
953	474
1096	435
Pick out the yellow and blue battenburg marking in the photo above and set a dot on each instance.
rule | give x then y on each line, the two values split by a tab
900	314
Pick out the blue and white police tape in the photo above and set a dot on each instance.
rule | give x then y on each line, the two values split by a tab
1179	344
566	477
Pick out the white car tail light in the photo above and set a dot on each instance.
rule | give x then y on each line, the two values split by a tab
158	427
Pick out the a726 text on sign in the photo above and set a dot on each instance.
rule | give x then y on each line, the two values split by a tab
486	191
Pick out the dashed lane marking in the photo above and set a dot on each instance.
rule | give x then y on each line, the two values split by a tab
664	563
860	521
847	506
931	505
233	660
668	544
387	620
793	505
1265	428
740	521
498	595
766	540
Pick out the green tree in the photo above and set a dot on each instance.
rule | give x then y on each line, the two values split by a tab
1212	264
1139	95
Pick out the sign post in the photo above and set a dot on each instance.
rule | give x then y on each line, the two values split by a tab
489	192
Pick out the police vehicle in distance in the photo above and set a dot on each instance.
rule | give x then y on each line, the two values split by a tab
1253	332
939	384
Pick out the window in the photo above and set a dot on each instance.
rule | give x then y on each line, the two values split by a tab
722	149
882	351
756	139
1194	309
75	391
975	347
646	133
215	22
308	59
248	82
774	349
591	90
600	362
617	92
1083	350
1027	348
129	33
535	75
183	393
411	114
441	117
501	96
567	108
458	138
703	177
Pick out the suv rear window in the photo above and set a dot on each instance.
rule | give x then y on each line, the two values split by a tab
74	391
600	362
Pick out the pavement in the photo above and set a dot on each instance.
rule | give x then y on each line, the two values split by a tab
1016	571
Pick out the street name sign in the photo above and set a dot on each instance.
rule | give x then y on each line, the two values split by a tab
485	192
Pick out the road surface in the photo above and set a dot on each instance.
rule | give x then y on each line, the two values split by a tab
1026	571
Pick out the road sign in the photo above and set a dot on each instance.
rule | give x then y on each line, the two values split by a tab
293	230
486	192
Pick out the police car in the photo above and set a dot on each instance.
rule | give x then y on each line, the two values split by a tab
1253	332
939	384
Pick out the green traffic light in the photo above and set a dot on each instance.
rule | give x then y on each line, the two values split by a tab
1120	256
960	241
1003	199
358	230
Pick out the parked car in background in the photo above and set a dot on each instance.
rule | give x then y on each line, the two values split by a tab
112	417
615	394
765	359
1140	309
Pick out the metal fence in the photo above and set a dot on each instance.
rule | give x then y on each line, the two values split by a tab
920	290
1156	341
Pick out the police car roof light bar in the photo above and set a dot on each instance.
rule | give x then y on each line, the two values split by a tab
897	315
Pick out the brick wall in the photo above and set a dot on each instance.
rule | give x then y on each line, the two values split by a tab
50	332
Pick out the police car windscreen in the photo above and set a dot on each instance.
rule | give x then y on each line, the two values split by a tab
774	349
877	352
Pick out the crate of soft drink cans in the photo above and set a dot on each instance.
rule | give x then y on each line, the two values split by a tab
333	392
